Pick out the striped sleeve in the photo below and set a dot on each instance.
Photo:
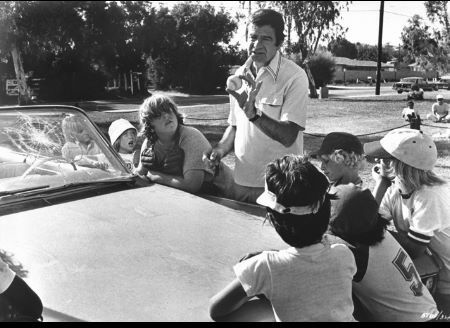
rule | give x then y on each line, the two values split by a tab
418	237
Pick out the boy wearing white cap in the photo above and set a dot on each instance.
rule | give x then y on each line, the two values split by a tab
414	197
123	136
311	280
439	111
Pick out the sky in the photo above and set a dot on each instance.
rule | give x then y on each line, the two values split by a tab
362	19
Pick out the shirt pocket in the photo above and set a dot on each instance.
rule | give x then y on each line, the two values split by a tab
271	104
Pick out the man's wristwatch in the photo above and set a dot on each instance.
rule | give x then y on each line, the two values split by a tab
257	115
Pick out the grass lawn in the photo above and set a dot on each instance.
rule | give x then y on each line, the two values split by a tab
369	118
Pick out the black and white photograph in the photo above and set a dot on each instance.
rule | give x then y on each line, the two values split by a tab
224	161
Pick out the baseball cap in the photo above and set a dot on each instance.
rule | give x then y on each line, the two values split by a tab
269	199
339	140
410	146
117	128
354	211
439	97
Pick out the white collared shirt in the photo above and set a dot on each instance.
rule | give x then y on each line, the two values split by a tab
283	96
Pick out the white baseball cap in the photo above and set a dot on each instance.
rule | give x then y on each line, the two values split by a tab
439	97
410	146
117	128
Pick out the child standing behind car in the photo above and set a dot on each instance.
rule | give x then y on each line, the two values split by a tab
123	137
171	153
311	281
414	198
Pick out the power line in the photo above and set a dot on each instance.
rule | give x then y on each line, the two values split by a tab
374	10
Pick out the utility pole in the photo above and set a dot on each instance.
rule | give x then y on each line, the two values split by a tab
248	19
380	49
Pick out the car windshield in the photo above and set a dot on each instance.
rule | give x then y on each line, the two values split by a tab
51	147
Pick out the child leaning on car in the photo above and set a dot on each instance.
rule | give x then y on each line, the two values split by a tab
171	153
312	280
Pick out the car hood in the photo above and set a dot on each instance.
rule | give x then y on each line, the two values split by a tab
146	254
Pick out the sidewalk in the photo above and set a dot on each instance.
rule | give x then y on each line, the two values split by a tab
343	87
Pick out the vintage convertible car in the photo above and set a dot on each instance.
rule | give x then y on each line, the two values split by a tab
98	243
104	245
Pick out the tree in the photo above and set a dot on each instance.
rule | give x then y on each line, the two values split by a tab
369	52
199	58
437	12
314	21
429	47
341	47
422	46
32	28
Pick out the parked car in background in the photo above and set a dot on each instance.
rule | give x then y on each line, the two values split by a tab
406	84
101	244
444	82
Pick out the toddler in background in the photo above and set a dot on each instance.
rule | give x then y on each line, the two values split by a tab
123	136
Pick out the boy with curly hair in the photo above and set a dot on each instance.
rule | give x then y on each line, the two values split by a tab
342	157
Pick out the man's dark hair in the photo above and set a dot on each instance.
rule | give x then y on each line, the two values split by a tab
297	182
272	18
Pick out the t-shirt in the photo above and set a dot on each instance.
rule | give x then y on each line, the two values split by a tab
441	110
409	111
312	283
283	97
131	160
6	276
425	216
391	288
185	155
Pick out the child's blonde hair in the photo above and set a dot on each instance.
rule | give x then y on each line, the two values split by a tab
72	125
413	178
351	159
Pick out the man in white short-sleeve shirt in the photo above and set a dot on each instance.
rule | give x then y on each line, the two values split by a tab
268	113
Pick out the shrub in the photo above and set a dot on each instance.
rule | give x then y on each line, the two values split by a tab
322	68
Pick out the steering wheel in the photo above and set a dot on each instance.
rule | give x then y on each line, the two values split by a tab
58	159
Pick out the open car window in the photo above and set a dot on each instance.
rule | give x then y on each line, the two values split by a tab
53	146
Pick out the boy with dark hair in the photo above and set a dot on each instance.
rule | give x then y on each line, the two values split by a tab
267	114
387	283
311	281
